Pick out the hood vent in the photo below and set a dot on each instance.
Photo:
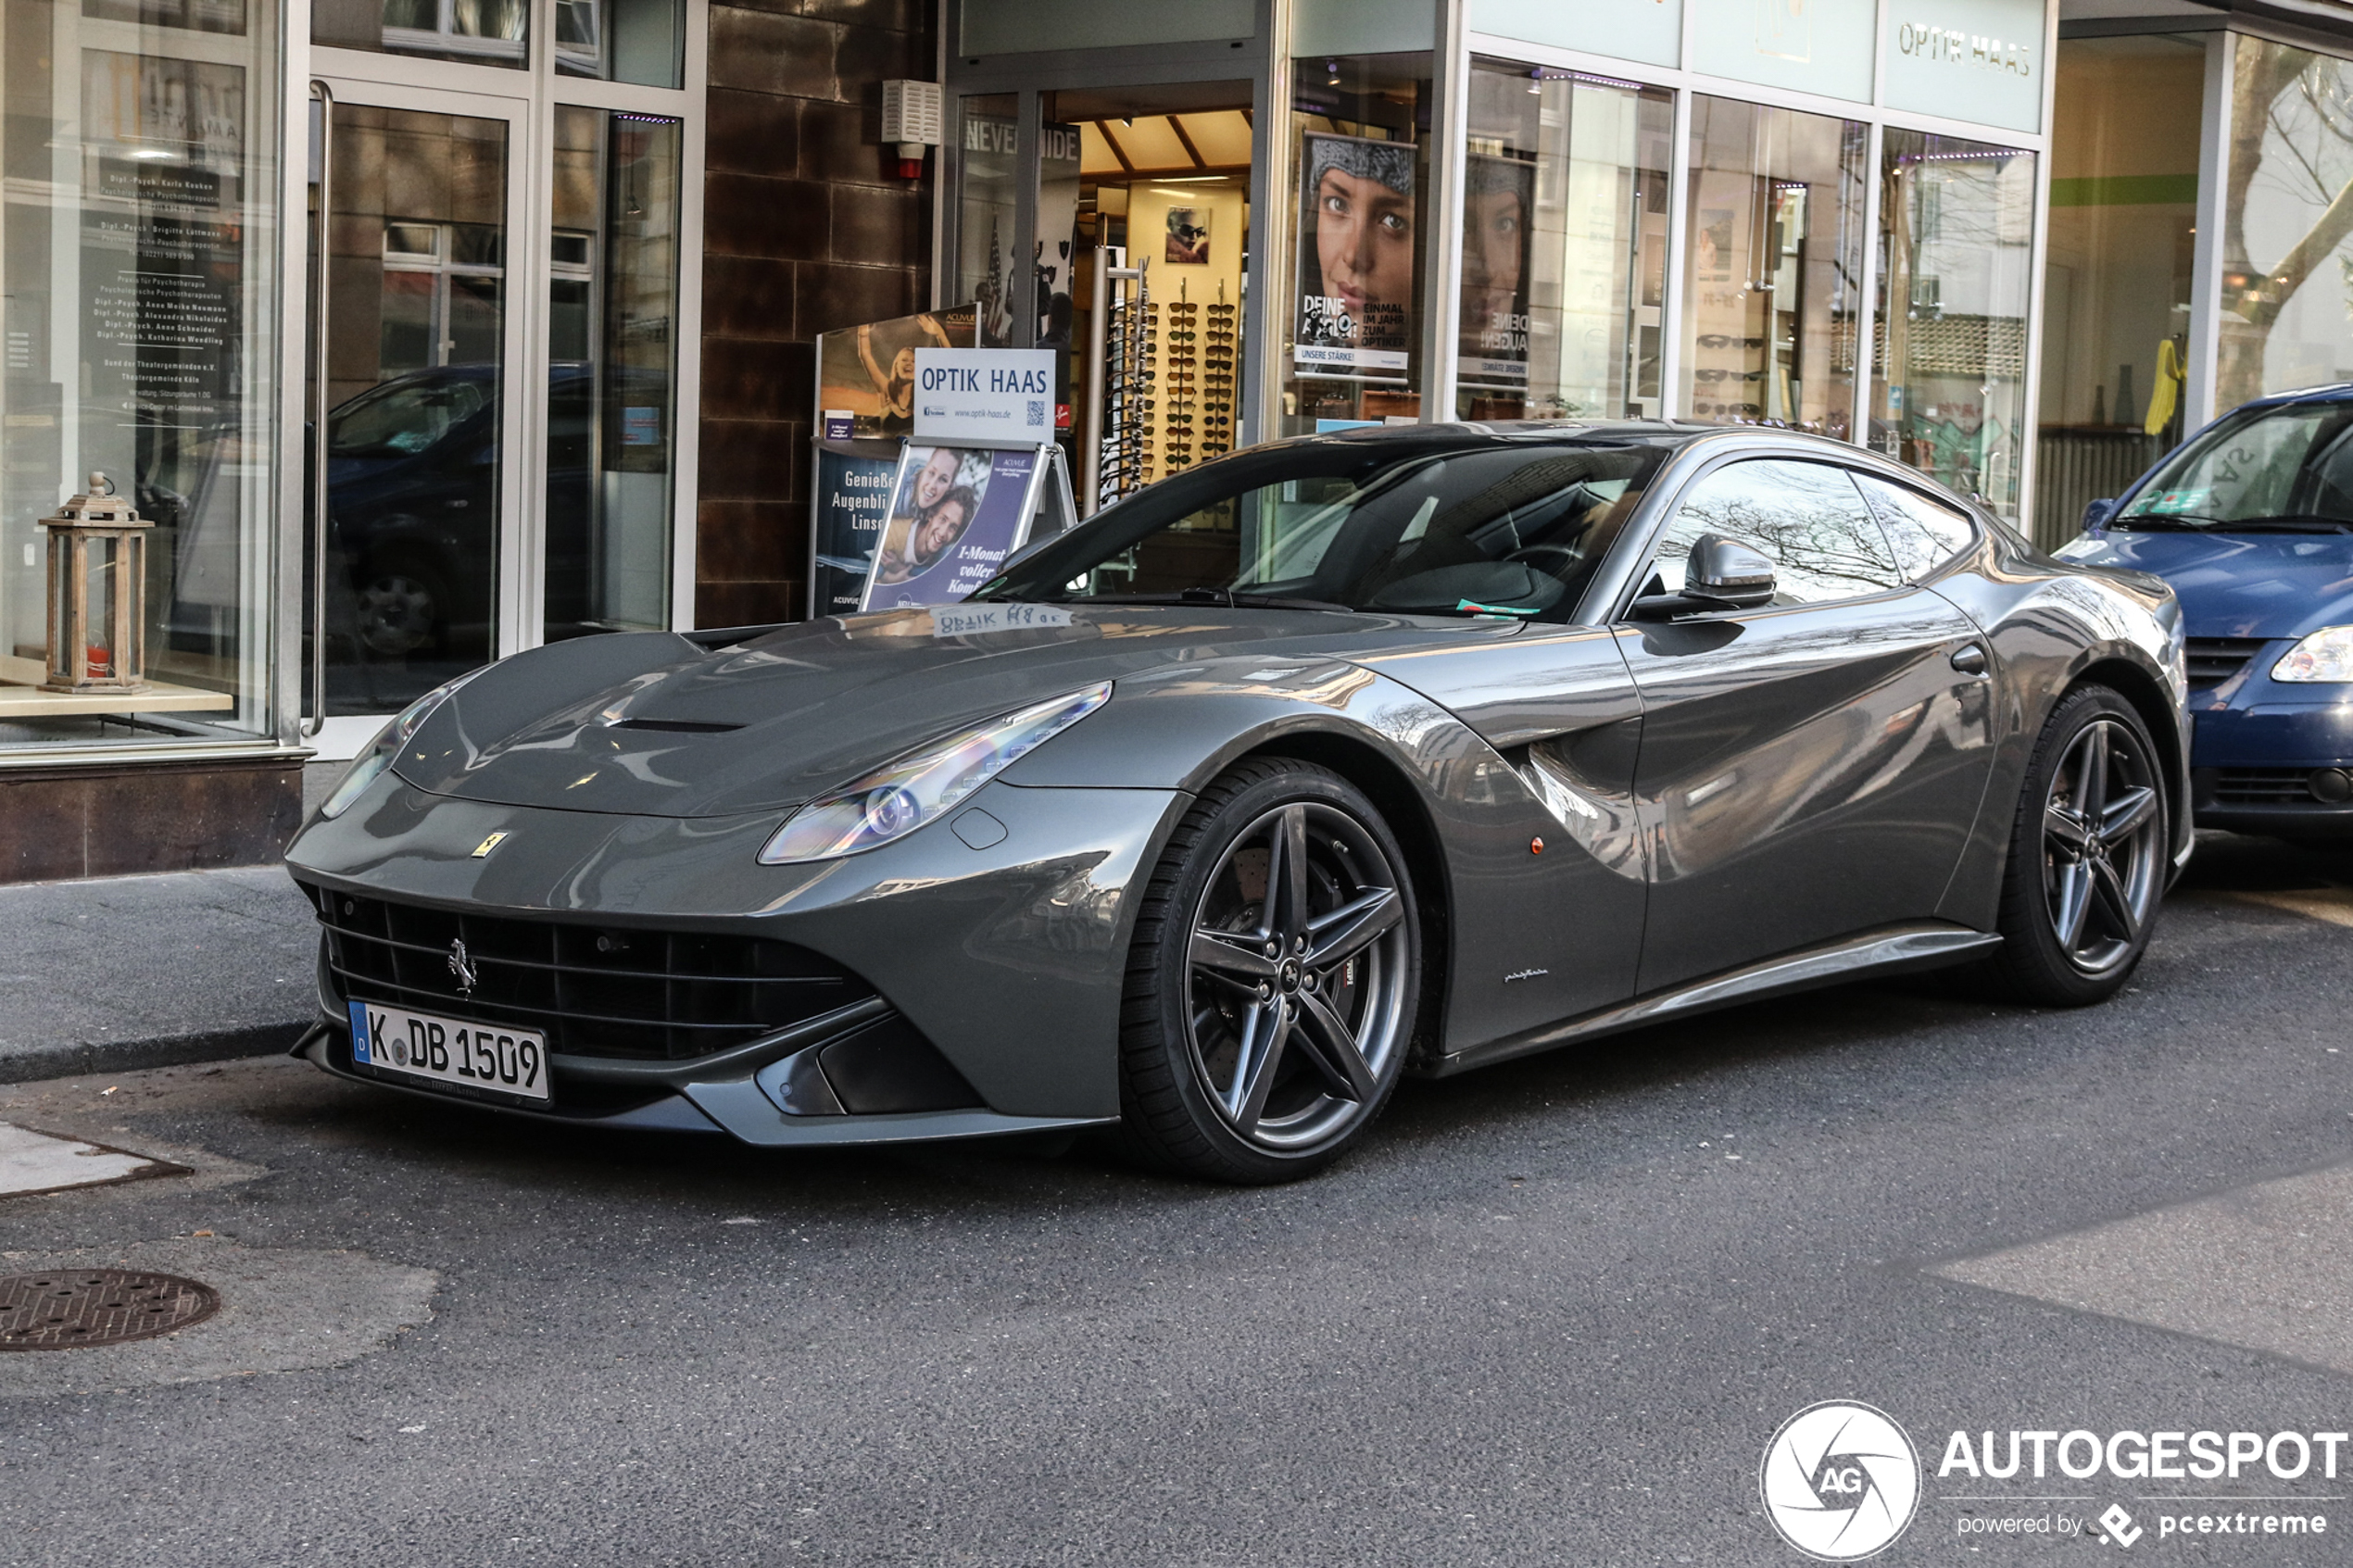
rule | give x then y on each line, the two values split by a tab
674	726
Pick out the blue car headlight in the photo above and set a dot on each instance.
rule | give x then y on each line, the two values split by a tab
900	797
388	742
2326	655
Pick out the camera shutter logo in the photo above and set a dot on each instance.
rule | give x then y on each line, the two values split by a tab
1840	1481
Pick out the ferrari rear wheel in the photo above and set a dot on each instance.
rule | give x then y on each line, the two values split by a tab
2087	855
1273	982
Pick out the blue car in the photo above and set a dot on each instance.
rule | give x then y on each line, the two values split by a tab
2251	522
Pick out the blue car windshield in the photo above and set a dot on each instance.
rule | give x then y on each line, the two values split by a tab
1504	530
2288	467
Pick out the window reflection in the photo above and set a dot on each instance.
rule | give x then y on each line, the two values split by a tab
1807	518
1948	375
611	397
1563	246
1773	267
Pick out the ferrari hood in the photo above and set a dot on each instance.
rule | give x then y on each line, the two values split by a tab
651	725
2239	584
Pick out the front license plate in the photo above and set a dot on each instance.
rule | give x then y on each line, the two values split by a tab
450	1050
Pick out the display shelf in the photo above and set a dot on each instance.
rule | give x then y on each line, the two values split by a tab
21	697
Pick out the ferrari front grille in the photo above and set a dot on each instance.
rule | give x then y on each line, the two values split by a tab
600	991
2213	660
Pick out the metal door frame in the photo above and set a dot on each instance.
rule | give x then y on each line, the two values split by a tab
523	344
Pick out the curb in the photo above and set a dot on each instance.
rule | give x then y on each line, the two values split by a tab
131	1056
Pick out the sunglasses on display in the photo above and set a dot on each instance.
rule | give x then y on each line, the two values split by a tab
1722	340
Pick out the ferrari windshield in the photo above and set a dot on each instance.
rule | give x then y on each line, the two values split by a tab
1497	530
2286	469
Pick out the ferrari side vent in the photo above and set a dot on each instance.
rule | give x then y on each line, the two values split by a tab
596	990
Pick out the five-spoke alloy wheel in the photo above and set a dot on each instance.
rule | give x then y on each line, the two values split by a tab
2088	857
1275	975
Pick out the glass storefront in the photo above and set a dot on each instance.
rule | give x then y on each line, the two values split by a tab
2287	224
1358	225
611	349
2116	279
1564	227
1773	267
1948	371
138	246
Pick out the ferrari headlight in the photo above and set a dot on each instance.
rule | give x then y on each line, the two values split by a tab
896	799
2326	655
388	742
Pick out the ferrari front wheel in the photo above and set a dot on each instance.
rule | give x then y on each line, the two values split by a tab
2087	858
1274	978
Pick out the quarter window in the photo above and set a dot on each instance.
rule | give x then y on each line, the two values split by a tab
1924	533
1807	518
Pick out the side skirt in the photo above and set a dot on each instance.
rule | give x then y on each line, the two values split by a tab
1893	951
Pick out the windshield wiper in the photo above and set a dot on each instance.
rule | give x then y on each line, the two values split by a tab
2171	523
2293	522
1226	599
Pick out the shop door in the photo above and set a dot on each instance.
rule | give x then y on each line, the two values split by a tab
419	457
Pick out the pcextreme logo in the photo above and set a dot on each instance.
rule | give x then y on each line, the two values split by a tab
1840	1481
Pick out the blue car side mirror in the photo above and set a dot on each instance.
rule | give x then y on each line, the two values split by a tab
2095	516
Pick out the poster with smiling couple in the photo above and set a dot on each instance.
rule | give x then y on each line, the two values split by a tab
964	497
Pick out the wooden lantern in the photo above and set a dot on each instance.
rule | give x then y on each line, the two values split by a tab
97	594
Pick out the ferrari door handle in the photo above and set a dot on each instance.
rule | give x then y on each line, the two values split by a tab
1970	659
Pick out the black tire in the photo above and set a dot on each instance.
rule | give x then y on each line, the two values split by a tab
2080	890
1207	989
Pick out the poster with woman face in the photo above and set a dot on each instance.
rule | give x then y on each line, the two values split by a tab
1358	235
1496	203
957	512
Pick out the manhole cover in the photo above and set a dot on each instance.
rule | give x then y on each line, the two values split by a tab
68	1308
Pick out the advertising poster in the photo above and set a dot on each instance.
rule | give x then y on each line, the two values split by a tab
1499	200
869	372
854	488
956	512
866	395
1358	229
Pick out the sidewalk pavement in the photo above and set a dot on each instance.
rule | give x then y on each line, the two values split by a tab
116	974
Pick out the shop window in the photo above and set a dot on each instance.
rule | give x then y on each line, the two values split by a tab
1772	268
988	192
612	387
1351	344
1948	370
2115	305
141	333
2288	253
639	40
1563	246
489	32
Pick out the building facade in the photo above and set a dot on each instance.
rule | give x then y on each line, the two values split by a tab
424	331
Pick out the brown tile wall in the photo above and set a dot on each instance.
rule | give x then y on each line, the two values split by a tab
63	822
806	228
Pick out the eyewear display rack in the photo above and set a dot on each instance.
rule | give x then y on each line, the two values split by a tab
1120	374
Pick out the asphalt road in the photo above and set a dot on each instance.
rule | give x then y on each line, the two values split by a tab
1550	1315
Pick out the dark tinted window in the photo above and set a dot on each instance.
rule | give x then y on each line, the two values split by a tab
1924	533
1497	530
1807	518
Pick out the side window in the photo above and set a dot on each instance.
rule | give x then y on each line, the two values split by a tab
1807	518
1924	533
